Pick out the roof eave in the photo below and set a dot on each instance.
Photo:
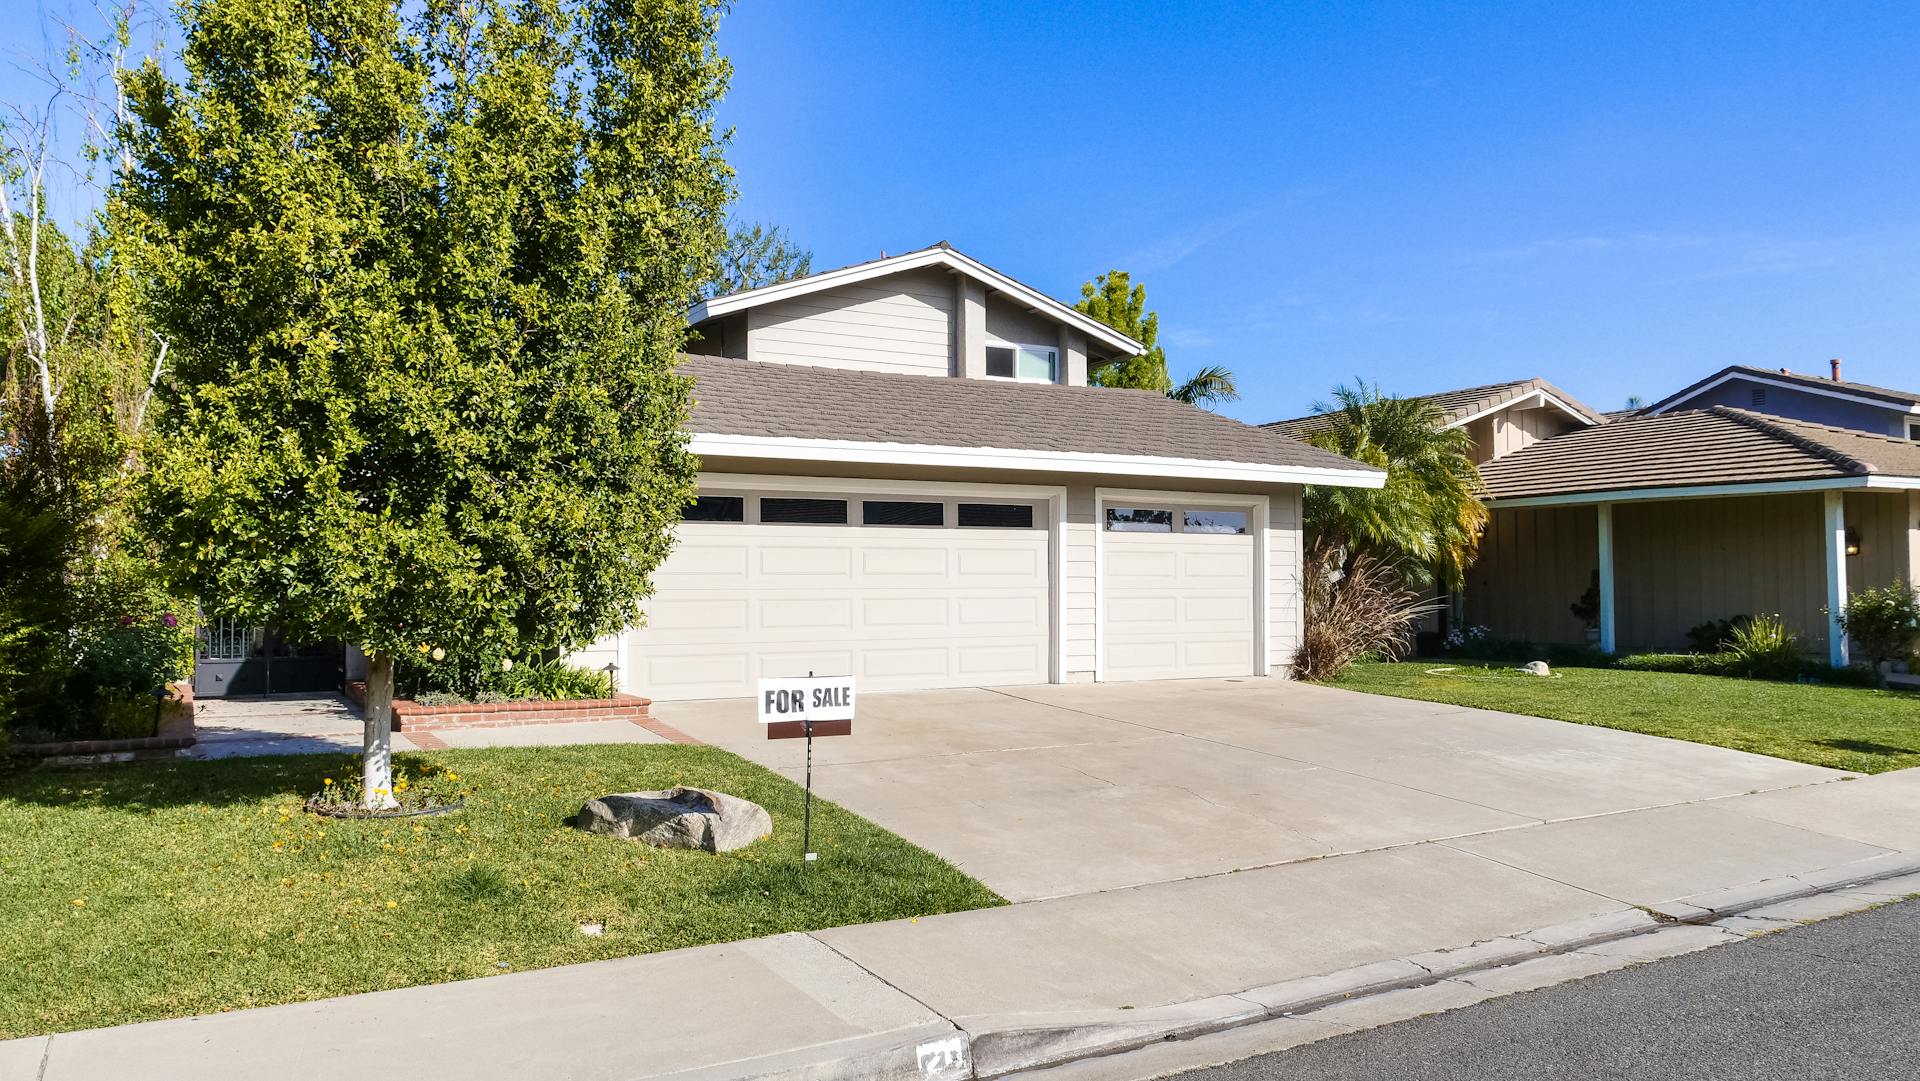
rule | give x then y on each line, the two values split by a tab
861	452
1880	481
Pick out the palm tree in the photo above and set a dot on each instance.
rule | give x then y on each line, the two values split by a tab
1210	384
1426	522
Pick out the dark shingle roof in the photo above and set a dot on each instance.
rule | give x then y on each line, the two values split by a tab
742	397
1454	405
1695	447
1811	382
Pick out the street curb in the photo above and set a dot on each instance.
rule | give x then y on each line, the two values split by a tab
1004	1045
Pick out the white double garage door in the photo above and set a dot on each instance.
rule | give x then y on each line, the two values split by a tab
916	591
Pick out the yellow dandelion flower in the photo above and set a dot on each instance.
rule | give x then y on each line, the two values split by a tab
393	904
79	902
328	781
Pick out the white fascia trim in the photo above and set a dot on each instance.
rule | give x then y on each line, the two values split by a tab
1707	491
847	451
1537	396
943	257
1784	384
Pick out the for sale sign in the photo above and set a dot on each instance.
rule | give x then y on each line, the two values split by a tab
787	706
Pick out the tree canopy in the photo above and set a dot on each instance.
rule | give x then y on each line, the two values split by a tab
1115	299
1426	521
425	268
757	255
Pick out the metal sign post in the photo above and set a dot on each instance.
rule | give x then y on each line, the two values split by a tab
803	708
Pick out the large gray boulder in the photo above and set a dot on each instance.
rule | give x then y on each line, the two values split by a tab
678	818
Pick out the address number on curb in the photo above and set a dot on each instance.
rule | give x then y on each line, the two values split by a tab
942	1059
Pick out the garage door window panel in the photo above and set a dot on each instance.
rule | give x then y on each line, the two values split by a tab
785	510
902	513
1139	520
995	516
1231	522
717	508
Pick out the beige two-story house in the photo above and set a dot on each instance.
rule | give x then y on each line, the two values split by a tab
905	476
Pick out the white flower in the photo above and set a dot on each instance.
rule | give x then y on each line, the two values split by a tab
439	654
506	664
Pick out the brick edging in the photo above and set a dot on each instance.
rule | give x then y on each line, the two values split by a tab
420	721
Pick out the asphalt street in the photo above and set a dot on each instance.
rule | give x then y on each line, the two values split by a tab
1835	1001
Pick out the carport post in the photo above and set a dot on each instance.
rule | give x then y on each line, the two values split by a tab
1608	621
1836	508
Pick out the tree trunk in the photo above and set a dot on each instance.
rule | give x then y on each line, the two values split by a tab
376	762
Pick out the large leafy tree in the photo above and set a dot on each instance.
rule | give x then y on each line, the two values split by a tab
1116	300
1426	522
425	268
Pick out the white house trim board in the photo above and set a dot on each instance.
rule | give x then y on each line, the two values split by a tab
1836	537
1677	402
942	257
1709	491
1534	398
1259	525
1609	616
860	452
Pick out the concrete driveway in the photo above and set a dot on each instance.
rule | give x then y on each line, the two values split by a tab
1059	790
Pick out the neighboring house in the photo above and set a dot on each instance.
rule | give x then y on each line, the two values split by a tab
1831	401
1500	417
905	477
1686	516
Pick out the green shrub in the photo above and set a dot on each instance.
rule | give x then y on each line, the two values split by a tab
1883	624
1519	651
1766	648
450	682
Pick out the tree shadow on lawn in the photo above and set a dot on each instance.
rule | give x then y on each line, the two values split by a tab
1861	746
148	786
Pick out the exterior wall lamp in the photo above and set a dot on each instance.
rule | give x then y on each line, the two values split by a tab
1853	541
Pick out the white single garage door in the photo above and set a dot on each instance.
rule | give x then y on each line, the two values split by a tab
1177	593
903	593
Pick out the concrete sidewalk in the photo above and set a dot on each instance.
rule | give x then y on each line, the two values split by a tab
992	992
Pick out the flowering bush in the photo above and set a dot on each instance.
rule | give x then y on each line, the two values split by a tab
1461	637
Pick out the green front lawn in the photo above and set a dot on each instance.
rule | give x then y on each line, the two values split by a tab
165	890
1844	727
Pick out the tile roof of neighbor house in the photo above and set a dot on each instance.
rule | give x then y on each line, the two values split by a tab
1812	382
1454	405
753	398
1716	446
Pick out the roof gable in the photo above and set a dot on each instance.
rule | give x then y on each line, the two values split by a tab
1458	407
939	255
1864	393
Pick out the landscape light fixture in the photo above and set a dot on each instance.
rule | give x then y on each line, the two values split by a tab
1853	541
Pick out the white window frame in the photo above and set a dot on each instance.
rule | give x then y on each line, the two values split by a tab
1016	377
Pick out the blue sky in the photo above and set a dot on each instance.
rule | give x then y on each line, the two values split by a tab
1619	198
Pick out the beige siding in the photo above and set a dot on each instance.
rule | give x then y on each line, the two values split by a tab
1913	539
1679	563
1517	429
1885	553
1284	612
1534	563
1079	582
900	323
1016	325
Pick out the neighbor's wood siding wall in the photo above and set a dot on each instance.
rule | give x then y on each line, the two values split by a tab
1512	430
1534	563
1679	563
900	323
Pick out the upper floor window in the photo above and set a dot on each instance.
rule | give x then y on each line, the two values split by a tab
1027	363
1913	429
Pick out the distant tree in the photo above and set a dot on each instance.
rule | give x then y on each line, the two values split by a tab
1114	299
1635	401
425	267
757	255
